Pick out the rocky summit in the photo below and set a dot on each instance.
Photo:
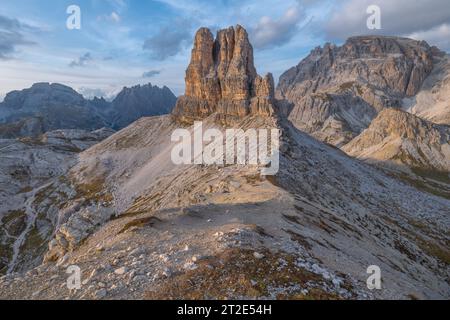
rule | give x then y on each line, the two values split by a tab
221	78
337	91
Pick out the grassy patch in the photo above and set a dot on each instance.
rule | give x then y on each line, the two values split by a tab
140	223
346	86
423	186
31	141
404	250
43	194
433	249
238	274
94	190
430	247
440	176
34	241
254	179
5	257
301	240
26	189
14	222
323	96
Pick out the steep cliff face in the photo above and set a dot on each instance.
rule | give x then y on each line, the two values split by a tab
222	78
432	102
349	85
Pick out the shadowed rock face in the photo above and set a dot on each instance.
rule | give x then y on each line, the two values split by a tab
140	101
222	78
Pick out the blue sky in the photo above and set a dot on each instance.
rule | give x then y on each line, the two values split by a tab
128	42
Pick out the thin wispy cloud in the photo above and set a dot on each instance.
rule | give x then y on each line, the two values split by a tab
112	17
425	19
169	40
12	36
81	61
151	73
270	32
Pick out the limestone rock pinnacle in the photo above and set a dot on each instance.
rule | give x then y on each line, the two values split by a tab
221	78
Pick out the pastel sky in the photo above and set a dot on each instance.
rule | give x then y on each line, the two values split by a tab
129	42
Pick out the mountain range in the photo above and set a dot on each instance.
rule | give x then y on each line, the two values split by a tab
46	107
363	180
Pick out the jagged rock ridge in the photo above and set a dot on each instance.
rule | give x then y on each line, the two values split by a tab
337	91
222	78
46	107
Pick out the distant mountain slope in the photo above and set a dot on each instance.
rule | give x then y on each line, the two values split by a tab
400	138
55	106
140	101
337	91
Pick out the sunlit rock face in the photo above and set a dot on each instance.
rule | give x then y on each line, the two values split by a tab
338	90
222	78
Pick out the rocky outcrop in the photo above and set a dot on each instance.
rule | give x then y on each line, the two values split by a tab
81	223
221	78
27	127
401	139
32	191
376	71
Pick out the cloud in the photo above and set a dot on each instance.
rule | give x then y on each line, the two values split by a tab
113	17
438	36
10	24
270	32
401	17
118	4
91	93
12	35
169	41
151	73
82	61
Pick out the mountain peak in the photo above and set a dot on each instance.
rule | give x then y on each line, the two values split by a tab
42	93
338	90
222	78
